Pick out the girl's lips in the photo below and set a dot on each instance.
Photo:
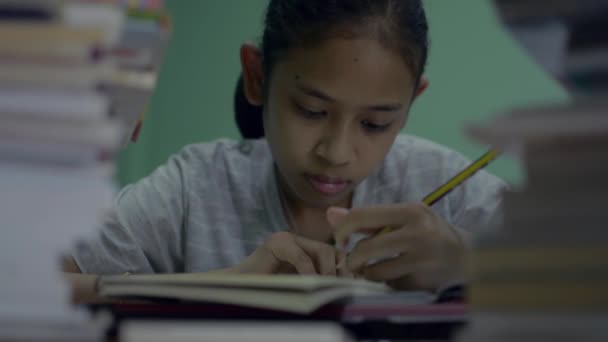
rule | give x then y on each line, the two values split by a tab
328	185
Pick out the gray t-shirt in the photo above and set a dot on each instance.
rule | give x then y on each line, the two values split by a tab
213	203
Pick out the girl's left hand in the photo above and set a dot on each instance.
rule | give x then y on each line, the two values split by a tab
421	252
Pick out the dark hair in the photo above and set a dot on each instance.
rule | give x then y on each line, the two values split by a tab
400	25
248	117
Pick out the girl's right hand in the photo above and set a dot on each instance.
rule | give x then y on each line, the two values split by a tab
285	252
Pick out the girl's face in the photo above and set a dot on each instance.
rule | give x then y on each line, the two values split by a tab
331	114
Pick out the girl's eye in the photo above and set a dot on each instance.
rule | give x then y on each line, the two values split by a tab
373	127
311	114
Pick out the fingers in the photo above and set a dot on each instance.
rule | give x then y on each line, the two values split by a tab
375	247
284	248
298	259
362	219
341	268
390	269
408	240
324	255
305	255
335	215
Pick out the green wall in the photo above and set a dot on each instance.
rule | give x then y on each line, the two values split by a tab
475	69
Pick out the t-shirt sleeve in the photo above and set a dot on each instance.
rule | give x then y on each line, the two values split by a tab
143	231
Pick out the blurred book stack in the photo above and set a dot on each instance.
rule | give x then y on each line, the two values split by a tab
73	84
138	54
544	275
568	38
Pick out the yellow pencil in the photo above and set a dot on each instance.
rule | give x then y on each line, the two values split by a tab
465	174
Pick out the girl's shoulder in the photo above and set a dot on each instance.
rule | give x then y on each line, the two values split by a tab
224	165
415	166
225	149
416	154
224	156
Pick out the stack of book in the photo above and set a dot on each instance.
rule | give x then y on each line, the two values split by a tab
62	64
568	39
190	331
138	55
543	276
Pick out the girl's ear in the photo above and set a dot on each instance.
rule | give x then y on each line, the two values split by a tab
253	77
424	84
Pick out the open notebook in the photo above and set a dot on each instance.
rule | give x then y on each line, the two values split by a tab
289	293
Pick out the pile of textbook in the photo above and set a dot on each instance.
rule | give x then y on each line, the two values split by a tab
543	276
75	78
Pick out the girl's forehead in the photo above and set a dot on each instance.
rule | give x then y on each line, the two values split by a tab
348	64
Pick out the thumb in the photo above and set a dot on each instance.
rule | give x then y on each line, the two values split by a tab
335	215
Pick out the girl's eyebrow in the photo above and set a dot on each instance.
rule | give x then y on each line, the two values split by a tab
310	91
393	107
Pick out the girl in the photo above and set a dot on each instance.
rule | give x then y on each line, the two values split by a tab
336	80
